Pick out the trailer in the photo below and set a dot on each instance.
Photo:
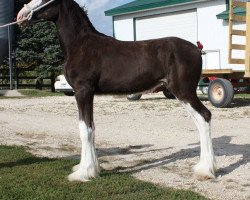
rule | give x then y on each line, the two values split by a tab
220	84
224	83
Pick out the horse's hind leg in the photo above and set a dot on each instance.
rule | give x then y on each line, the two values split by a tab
88	167
202	117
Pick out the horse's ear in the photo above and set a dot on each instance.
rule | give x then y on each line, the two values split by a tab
84	9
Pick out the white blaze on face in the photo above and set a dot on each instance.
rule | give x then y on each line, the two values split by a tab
25	11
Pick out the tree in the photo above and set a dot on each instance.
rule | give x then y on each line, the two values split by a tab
37	47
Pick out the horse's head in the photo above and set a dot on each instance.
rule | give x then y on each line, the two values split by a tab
39	9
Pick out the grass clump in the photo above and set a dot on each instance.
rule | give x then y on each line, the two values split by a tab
242	96
24	176
39	93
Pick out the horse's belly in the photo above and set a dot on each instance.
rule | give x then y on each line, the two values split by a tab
127	84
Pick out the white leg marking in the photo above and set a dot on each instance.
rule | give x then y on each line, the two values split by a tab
207	165
75	168
89	166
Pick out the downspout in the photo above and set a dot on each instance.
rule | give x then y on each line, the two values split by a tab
227	4
134	28
113	25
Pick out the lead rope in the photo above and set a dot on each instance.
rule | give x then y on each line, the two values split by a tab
12	23
30	15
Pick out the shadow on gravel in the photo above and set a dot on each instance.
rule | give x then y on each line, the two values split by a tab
241	102
2	93
222	147
237	102
121	151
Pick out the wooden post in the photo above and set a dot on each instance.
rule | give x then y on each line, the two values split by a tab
230	24
10	57
235	18
16	78
247	57
52	81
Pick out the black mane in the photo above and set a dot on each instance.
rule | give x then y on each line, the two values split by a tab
79	16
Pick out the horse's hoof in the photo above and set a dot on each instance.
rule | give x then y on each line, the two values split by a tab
77	176
82	174
75	168
204	172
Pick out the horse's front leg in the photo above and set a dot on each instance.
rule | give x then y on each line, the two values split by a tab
88	167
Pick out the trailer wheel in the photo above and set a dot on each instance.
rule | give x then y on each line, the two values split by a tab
220	93
134	97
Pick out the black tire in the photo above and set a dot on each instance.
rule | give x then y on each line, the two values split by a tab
69	93
168	94
220	93
134	97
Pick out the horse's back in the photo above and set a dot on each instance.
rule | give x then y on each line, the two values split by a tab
127	67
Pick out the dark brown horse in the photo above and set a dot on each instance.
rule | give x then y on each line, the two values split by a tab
96	63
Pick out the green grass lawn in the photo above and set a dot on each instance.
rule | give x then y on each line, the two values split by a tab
237	97
23	176
242	96
29	93
32	93
39	93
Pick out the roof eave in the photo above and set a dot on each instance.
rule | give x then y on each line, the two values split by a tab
126	10
225	15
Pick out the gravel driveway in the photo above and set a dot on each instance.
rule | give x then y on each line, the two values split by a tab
154	138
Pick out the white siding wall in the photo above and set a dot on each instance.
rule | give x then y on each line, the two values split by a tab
181	24
212	32
124	28
212	35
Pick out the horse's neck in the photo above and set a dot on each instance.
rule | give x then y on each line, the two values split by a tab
70	26
67	32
